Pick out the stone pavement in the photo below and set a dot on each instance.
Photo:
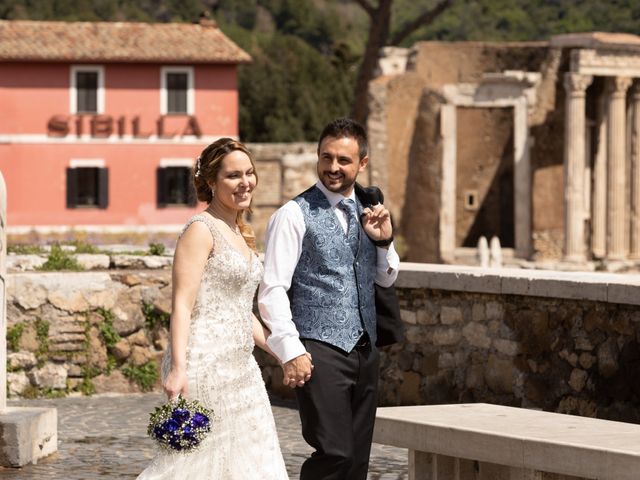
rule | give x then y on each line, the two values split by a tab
104	437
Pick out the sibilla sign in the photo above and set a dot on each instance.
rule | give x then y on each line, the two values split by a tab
103	126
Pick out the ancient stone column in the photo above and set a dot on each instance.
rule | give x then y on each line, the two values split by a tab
599	198
617	244
635	175
574	165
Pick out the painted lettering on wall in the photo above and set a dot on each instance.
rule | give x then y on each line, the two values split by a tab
104	126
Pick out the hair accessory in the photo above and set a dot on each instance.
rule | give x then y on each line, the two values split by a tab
197	173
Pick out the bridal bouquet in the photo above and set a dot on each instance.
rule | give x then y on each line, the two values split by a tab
179	425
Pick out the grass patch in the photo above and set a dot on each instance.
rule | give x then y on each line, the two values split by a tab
58	259
30	392
153	316
156	249
14	333
144	375
83	247
86	387
25	249
107	331
42	335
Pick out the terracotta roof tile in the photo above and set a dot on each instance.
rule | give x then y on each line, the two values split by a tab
116	42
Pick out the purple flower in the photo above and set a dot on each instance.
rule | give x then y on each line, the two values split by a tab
180	414
199	420
170	425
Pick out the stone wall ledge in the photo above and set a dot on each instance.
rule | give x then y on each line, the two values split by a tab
594	286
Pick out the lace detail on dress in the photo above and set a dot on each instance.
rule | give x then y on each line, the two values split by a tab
224	376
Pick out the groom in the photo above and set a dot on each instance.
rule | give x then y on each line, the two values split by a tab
324	253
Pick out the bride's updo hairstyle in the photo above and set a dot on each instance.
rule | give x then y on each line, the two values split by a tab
207	168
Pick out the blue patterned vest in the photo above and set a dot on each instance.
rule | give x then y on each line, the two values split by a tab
332	290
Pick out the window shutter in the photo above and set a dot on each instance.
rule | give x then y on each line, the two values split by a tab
72	187
161	187
103	187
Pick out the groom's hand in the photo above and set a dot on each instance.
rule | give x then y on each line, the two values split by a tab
297	371
376	222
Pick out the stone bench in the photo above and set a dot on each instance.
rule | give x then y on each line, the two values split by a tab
490	442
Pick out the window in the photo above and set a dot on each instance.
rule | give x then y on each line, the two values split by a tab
176	90
87	89
175	184
87	184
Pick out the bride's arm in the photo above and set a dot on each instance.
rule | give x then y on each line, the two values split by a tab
189	260
260	334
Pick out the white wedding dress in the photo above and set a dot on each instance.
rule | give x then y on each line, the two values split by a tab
224	376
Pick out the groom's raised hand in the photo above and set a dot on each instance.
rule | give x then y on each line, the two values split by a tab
297	371
376	222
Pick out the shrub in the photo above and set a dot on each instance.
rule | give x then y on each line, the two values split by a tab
14	333
154	317
60	260
156	249
42	335
144	375
108	332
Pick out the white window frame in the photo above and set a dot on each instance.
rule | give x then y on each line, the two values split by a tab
190	89
86	163
177	162
73	89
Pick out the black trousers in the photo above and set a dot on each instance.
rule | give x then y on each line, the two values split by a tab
338	408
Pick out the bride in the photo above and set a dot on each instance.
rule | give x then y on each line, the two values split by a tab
213	330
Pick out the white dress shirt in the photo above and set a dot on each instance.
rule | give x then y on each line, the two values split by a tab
283	247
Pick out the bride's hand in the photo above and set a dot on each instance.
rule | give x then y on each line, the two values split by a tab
175	384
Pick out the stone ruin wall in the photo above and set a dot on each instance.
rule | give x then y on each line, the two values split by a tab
406	138
571	356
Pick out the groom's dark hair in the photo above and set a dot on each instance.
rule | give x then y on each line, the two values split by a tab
346	127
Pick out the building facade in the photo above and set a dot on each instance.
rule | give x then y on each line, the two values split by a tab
101	122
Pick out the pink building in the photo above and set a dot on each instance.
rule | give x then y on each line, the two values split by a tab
100	122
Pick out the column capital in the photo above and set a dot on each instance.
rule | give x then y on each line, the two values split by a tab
635	90
576	83
618	85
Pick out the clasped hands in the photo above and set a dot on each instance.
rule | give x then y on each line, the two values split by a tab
297	371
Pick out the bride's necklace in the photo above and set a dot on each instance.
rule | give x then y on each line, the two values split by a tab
234	228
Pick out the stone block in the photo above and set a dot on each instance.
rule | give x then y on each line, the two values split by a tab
116	382
23	360
478	312
17	383
23	263
499	374
49	376
90	261
426	317
27	434
494	310
446	336
476	335
450	315
271	175
507	347
409	317
578	379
